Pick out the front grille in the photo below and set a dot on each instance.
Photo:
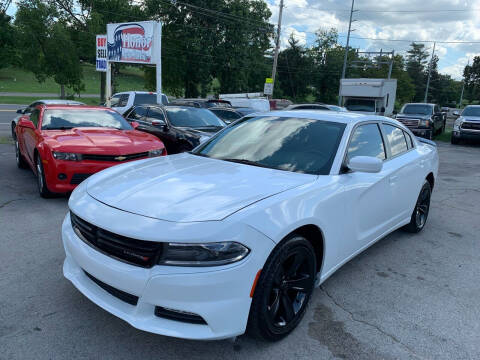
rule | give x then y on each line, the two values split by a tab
114	158
78	178
177	315
119	294
132	251
409	122
471	126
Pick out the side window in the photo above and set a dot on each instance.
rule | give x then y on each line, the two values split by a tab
156	114
123	100
34	117
366	141
30	108
137	113
115	100
396	139
409	140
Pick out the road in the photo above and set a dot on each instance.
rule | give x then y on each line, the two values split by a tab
407	297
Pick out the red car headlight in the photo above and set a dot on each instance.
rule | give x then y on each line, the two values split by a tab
67	156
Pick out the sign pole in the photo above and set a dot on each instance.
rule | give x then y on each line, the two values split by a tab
158	46
108	92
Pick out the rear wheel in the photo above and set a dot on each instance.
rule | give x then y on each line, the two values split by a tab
422	207
21	163
41	182
454	140
283	290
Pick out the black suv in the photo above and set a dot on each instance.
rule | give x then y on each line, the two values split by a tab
425	120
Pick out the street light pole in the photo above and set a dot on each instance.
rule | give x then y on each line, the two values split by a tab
346	50
277	45
429	73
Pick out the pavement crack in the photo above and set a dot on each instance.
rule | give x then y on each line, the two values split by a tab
361	321
10	201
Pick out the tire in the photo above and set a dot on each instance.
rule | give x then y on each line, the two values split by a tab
283	290
422	207
454	140
20	160
14	135
41	182
430	134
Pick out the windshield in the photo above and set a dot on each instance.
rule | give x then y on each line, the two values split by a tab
417	109
471	111
367	105
192	117
151	99
292	144
72	118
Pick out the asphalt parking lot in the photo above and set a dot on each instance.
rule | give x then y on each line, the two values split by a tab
407	297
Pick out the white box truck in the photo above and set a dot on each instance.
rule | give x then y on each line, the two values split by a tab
369	96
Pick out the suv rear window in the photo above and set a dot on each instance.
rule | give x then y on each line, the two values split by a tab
151	99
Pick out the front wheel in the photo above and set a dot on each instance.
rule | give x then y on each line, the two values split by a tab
422	207
41	182
283	290
455	140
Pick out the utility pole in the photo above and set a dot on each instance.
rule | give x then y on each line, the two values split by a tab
346	50
429	73
277	45
463	87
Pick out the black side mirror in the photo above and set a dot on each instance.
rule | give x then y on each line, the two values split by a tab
165	127
382	109
20	111
394	112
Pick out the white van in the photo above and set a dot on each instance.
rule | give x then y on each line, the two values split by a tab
248	100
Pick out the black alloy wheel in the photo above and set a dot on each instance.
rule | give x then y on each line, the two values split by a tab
283	290
422	207
41	182
19	157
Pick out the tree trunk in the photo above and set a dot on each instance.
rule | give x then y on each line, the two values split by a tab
62	91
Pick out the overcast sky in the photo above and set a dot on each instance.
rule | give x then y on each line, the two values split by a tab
417	21
387	19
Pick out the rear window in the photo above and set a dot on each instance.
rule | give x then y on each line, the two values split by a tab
150	99
366	105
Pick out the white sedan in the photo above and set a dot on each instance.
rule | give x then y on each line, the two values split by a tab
235	235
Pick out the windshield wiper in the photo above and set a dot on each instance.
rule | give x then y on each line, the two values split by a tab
246	162
60	128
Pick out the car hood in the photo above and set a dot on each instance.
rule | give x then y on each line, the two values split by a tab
188	188
101	141
471	118
413	116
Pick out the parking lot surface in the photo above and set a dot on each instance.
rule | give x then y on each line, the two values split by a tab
407	297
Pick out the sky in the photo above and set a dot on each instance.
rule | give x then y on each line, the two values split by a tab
426	20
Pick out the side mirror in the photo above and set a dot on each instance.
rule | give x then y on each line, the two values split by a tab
20	111
135	124
394	112
382	109
26	124
456	113
367	164
158	123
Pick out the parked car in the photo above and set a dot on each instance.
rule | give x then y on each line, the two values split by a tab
228	115
181	128
123	101
65	144
236	234
467	126
316	107
245	110
202	103
29	109
247	100
423	120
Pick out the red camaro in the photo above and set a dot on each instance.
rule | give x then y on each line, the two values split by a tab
66	144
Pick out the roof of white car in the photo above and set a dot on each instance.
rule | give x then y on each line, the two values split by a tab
327	115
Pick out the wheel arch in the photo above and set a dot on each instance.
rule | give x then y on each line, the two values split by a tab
431	179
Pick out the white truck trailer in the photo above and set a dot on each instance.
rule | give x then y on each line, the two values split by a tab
369	96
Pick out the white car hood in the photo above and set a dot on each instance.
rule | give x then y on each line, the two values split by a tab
187	188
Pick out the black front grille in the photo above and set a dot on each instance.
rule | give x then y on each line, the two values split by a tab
119	294
409	122
114	158
471	126
179	316
78	178
133	251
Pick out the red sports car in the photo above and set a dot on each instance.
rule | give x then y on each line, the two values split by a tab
66	144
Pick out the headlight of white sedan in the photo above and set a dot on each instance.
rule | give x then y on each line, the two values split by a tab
156	152
207	254
458	123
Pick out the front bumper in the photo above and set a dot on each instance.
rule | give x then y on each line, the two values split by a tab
220	295
422	132
466	134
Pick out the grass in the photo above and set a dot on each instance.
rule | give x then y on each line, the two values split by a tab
445	136
6	140
26	100
19	80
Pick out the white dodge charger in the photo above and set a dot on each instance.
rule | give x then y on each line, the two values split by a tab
235	235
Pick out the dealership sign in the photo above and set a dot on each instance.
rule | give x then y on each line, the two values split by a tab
137	42
101	62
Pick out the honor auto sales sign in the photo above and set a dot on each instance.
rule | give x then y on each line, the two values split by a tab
137	42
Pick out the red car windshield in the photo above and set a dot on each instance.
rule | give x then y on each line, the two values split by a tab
61	119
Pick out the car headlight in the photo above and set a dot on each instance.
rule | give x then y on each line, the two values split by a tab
458	123
207	254
66	156
156	152
424	123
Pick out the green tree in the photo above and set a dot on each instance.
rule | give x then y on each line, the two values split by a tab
471	75
416	69
45	46
7	41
